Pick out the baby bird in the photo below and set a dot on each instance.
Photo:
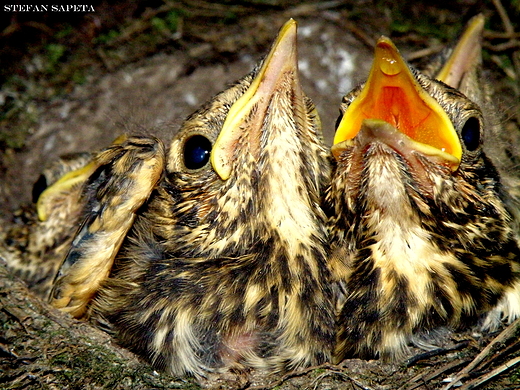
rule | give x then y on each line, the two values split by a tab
224	268
70	191
38	238
421	235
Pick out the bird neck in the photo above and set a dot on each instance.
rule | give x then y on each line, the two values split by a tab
409	247
255	216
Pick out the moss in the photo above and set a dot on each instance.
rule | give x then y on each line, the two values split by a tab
55	53
515	376
409	17
77	367
99	366
107	37
18	114
169	23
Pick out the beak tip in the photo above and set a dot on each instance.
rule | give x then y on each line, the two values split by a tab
288	31
387	57
385	43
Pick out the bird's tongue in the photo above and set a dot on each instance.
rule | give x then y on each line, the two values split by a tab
376	130
392	94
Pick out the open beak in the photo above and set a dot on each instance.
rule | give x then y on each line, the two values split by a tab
248	112
392	94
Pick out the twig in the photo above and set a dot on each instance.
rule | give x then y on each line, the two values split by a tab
502	337
428	51
294	374
510	72
513	44
359	384
500	355
16	26
139	25
497	371
436	352
343	22
312	8
503	15
212	9
6	350
488	34
508	26
344	376
422	379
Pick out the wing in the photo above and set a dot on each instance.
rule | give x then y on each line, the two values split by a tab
125	176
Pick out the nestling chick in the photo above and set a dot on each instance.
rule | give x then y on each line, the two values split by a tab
87	191
225	265
37	241
420	233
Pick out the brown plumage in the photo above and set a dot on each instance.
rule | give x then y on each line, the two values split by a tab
114	185
421	233
82	199
224	267
33	245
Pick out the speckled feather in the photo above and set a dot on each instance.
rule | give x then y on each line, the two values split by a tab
122	179
33	249
415	246
78	191
222	275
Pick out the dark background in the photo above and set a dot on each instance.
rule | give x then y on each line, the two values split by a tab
73	82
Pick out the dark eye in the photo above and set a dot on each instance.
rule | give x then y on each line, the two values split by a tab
471	133
39	187
196	152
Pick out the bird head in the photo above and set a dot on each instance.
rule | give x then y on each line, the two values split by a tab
249	162
394	95
421	132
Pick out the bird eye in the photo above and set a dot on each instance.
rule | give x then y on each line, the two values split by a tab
471	133
39	186
196	152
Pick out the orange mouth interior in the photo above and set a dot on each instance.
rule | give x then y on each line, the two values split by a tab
392	94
